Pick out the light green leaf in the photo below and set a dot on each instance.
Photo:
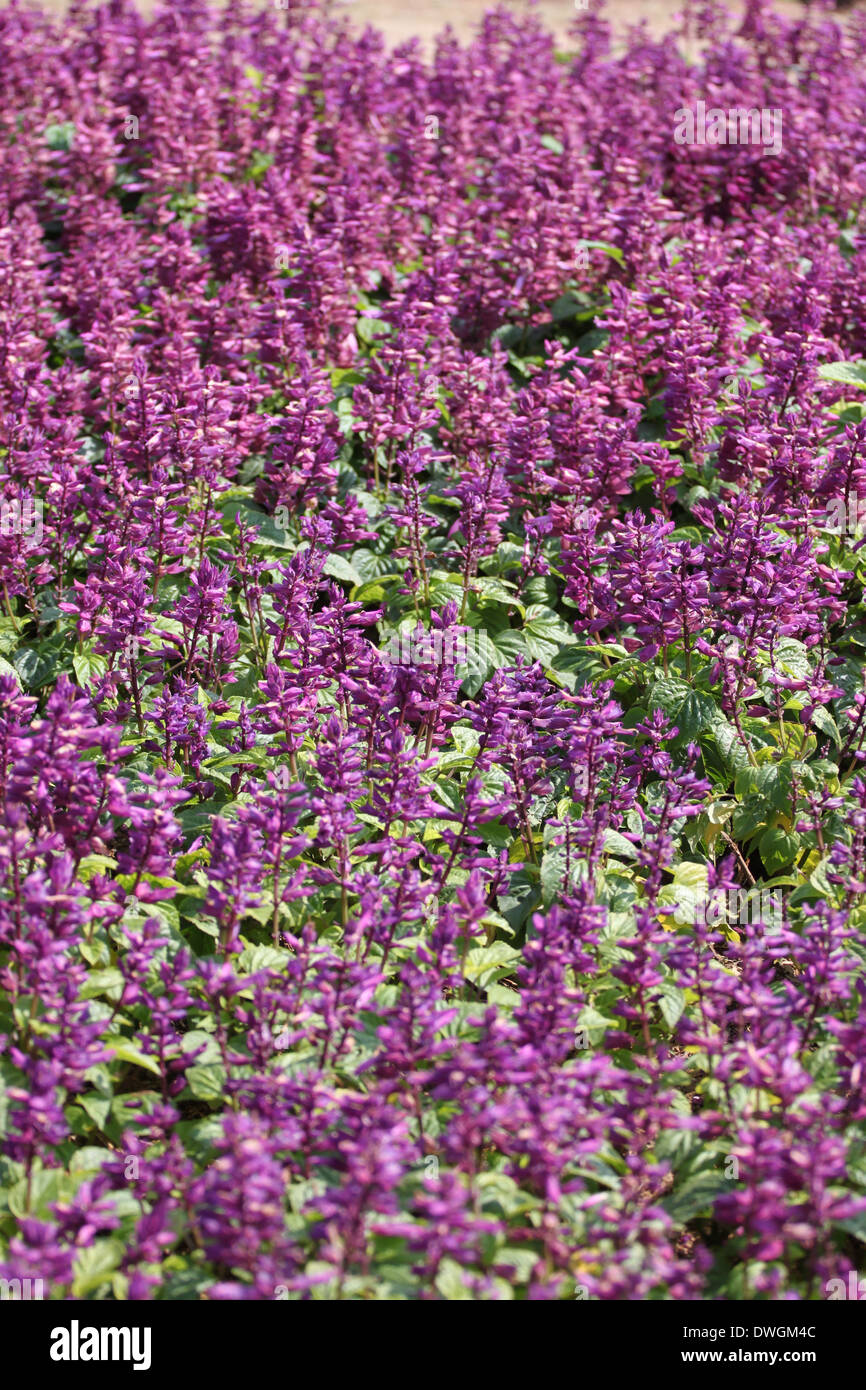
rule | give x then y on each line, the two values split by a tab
849	373
338	567
207	1081
94	1266
126	1051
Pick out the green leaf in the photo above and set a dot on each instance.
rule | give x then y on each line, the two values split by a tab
497	590
60	137
552	871
565	307
346	376
10	636
544	633
94	1266
371	566
697	713
95	864
730	747
849	373
46	1186
775	782
203	1044
823	720
608	249
509	646
691	711
855	1226
126	1051
521	897
465	738
617	844
96	1107
671	1002
255	958
36	666
207	1082
338	567
777	848
109	982
695	1197
576	666
486	653
370	330
486	964
263	757
551	143
792	658
269	535
89	1159
450	1282
259	165
692	876
185	1285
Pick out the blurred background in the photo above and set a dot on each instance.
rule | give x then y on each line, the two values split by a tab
399	20
405	19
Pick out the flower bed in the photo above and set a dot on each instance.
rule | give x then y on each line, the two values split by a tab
431	659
